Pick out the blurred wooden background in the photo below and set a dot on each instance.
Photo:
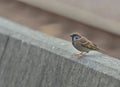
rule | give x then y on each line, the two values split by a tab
57	26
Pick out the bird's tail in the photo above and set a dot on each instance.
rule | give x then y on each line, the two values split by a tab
101	50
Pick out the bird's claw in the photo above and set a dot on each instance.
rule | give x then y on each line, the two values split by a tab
80	54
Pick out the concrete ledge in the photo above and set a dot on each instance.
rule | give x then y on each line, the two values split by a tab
32	59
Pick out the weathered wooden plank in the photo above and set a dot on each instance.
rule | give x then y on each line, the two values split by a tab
87	12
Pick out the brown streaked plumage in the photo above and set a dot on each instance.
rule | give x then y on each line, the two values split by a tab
84	45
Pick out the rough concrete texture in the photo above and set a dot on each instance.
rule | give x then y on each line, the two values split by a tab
32	59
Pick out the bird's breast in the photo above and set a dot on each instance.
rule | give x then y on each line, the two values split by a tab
79	47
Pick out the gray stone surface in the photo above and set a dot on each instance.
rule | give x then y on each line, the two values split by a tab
3	43
32	59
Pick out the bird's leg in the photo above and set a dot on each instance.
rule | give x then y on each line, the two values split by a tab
82	53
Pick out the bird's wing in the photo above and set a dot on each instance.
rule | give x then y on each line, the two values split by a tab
87	44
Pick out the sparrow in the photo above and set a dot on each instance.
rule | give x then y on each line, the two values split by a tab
84	45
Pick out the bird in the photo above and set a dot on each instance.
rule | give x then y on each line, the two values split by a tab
84	45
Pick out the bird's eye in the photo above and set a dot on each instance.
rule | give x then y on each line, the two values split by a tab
76	37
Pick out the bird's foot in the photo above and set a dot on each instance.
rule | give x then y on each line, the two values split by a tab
81	54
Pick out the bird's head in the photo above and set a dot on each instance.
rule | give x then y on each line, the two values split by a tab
75	36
